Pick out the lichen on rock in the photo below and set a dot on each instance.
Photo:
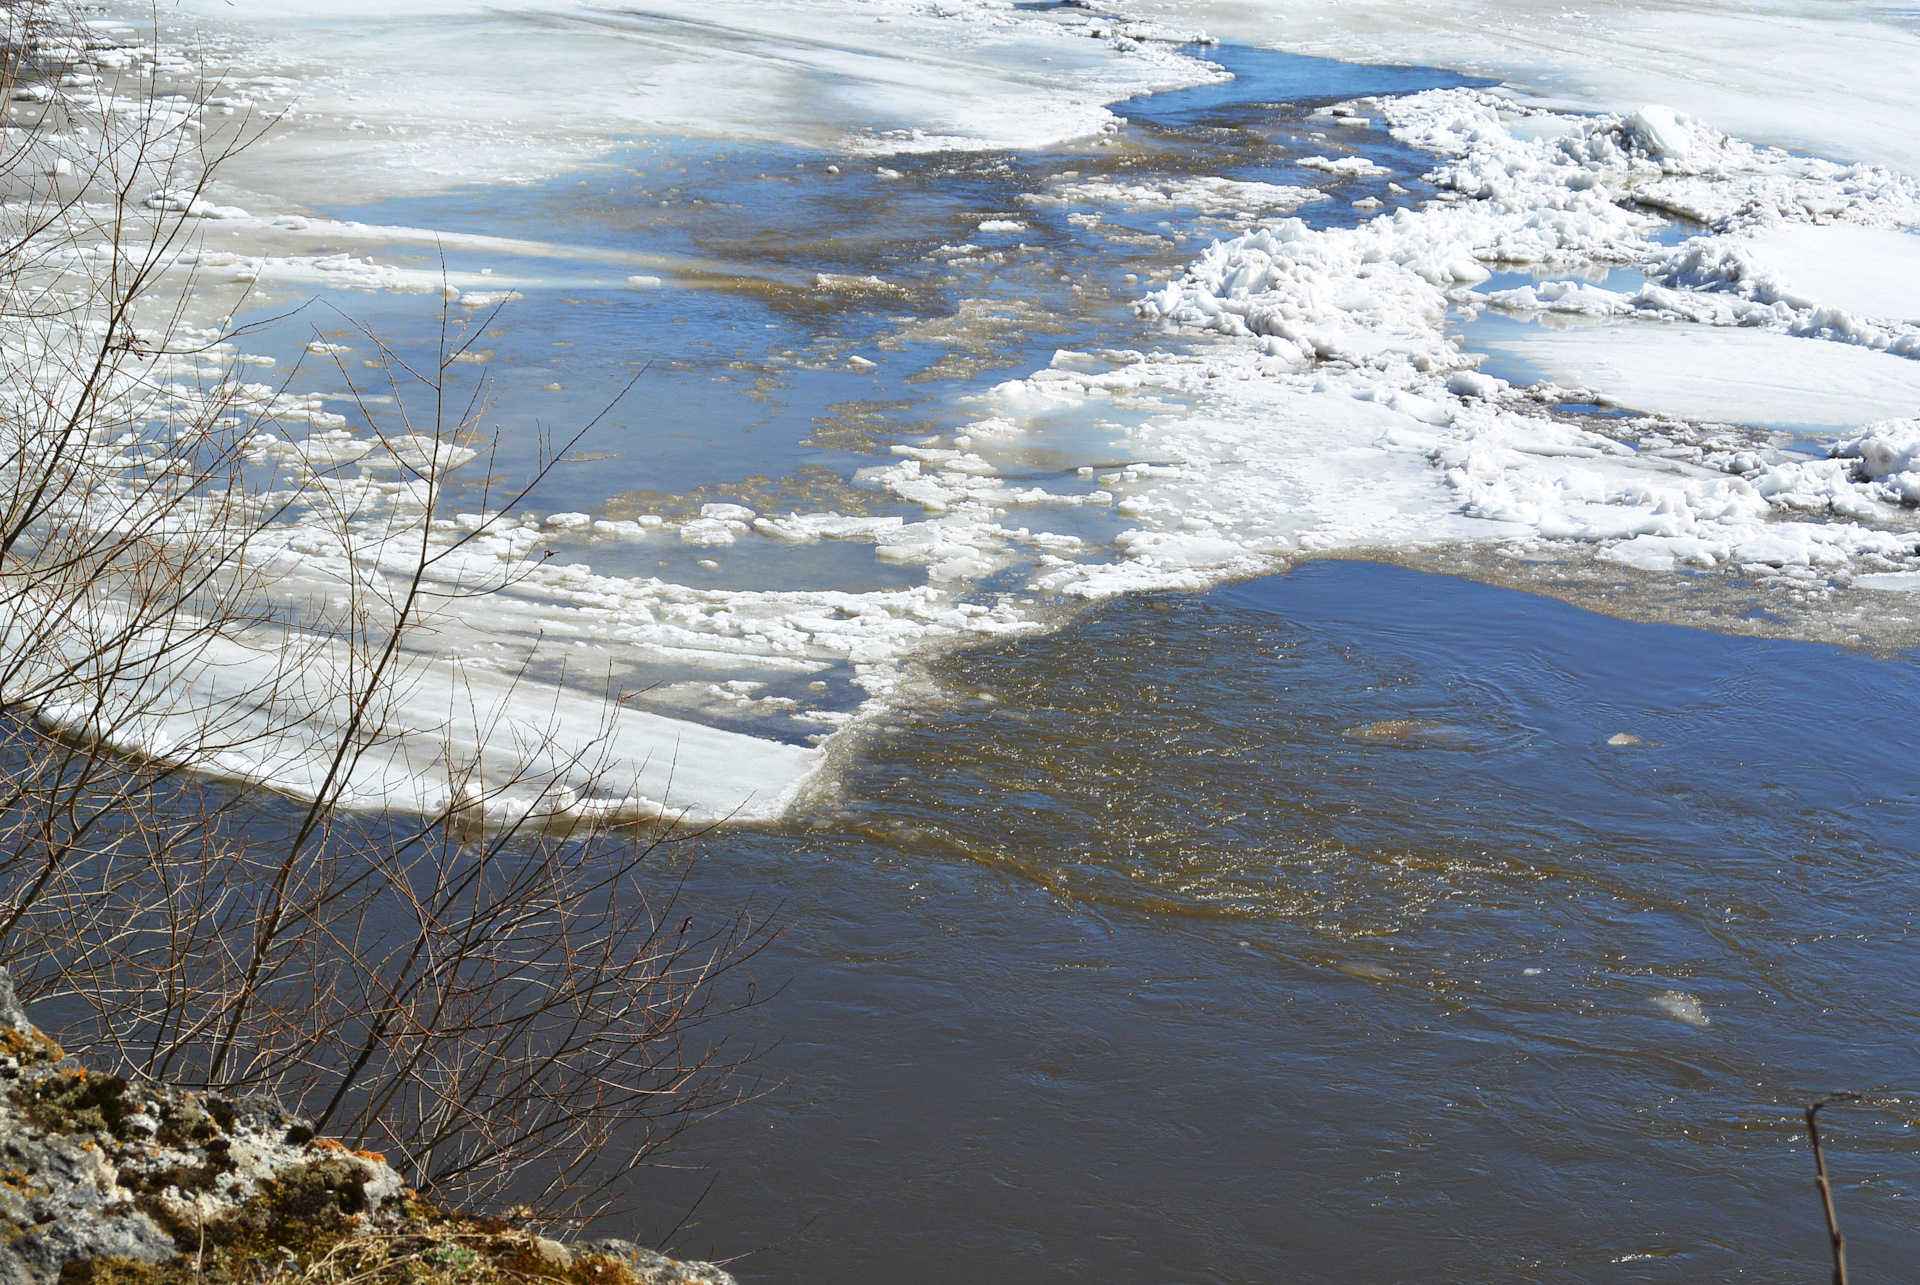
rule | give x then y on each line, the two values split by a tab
106	1181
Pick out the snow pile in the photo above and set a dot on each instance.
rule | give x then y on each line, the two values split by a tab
1887	455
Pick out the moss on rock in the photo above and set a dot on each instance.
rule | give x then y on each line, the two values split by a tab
109	1182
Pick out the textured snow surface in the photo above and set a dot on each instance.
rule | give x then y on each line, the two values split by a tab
1872	271
1364	313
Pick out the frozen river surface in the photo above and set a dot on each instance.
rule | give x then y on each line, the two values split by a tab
1030	401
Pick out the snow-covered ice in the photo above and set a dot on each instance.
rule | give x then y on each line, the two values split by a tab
1834	78
1309	387
417	97
1874	272
1725	374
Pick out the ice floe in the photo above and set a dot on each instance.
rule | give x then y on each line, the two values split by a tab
1208	195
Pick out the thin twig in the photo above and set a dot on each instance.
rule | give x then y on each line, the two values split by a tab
1834	1238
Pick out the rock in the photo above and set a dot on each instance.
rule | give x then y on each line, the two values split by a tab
94	1165
42	1254
11	1014
650	1267
97	1173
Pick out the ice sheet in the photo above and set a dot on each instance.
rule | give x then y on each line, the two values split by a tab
1835	79
1726	374
397	99
1872	271
276	708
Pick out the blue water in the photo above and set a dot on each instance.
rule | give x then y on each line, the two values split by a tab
1163	967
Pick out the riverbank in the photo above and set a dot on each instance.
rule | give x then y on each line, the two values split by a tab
108	1182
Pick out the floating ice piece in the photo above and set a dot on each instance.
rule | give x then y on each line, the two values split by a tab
1345	166
1890	581
1002	225
841	283
1208	195
1471	383
804	528
718	524
1681	1005
190	204
1581	298
620	528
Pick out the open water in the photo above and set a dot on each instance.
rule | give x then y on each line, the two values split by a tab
1311	929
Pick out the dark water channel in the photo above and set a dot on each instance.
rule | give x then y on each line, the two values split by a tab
1312	930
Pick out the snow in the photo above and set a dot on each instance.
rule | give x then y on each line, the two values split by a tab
1872	271
1890	581
451	737
1835	79
1345	166
1726	374
1314	319
406	99
1208	195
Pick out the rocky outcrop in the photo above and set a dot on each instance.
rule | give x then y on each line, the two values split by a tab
104	1181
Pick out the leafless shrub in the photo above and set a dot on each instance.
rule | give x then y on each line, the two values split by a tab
498	985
